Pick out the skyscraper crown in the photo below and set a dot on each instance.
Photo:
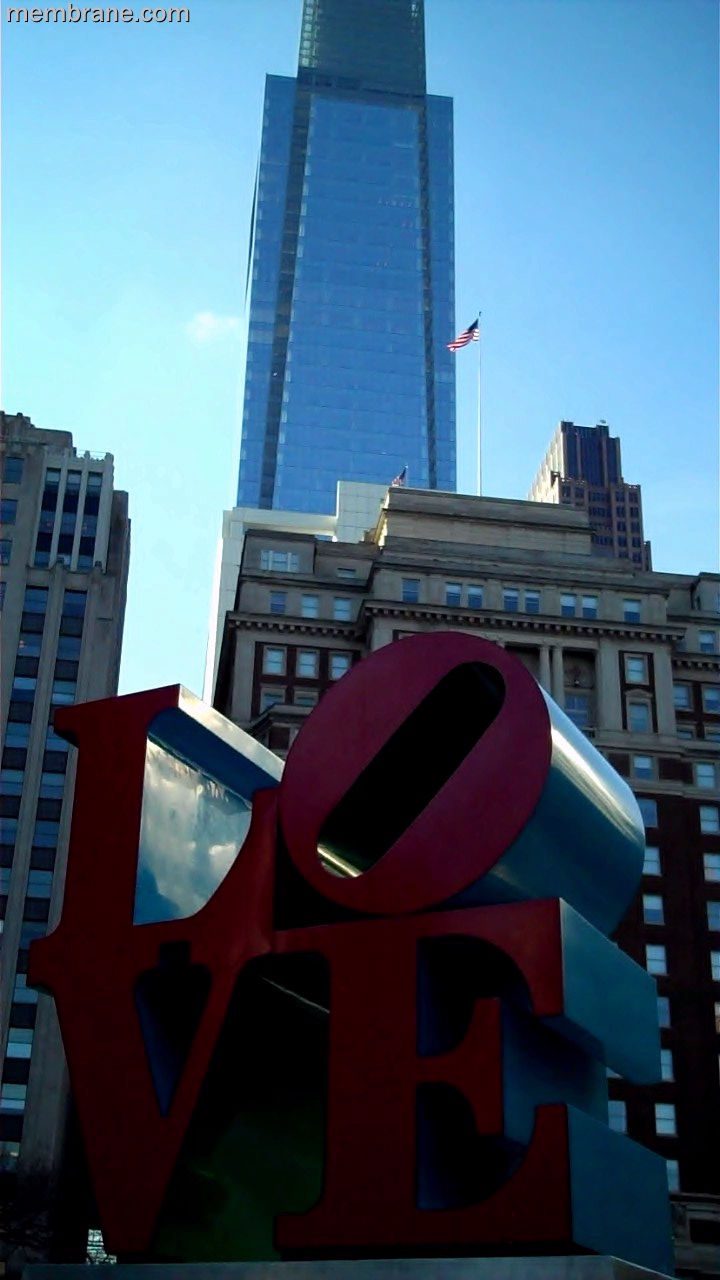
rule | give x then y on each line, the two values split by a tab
369	44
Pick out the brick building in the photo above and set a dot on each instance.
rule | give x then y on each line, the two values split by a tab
633	656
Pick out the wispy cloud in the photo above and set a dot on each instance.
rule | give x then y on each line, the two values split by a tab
206	327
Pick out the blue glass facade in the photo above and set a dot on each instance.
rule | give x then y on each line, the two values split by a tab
352	295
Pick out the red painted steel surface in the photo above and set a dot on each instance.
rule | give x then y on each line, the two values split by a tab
471	821
93	959
369	1198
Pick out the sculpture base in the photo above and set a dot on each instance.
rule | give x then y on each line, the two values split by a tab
568	1267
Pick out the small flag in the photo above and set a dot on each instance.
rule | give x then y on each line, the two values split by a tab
471	334
400	480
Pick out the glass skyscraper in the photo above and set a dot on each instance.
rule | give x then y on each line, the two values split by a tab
352	266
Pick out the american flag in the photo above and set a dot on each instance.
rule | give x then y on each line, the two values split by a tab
400	480
471	334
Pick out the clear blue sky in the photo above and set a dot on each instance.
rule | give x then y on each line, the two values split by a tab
586	175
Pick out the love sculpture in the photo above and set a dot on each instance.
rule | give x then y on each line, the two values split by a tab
383	1027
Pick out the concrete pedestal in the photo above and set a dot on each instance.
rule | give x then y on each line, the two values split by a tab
561	1268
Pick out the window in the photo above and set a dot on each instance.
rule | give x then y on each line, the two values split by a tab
713	915
52	785
11	782
475	597
711	866
39	884
511	599
643	767
20	711
686	732
5	546
29	644
651	863
23	994
280	561
63	692
589	606
46	834
636	669
639	717
53	742
49	808
346	573
631	610
12	470
14	758
310	607
648	810
305	697
278	600
617	1115
712	733
681	697
705	777
711	699
577	708
568	604
663	1011
24	687
68	648
342	609
340	663
453	594
715	965
707	641
665	1125
273	662
268	697
667	1072
8	510
306	664
74	604
19	1043
36	599
411	590
532	601
653	911
12	1098
709	819
673	1175
17	732
655	959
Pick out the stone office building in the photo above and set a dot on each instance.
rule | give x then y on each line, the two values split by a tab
632	655
64	551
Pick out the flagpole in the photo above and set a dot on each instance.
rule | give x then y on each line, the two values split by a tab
479	408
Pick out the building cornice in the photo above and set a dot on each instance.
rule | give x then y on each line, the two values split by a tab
285	624
697	662
536	624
